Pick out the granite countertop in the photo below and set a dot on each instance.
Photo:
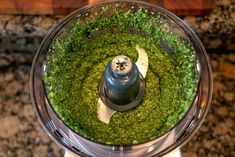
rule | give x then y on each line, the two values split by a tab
20	132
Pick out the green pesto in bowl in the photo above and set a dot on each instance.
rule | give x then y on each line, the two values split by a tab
77	59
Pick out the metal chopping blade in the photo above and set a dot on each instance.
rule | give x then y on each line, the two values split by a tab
105	113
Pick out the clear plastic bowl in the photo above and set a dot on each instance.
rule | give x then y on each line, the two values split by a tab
78	145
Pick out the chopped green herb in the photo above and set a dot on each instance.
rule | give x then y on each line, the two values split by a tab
77	61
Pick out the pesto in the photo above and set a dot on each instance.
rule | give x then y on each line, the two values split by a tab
77	61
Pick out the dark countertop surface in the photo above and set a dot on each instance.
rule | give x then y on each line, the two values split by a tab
20	132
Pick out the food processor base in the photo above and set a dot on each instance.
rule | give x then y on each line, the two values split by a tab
175	153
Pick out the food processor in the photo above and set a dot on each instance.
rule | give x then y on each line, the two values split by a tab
123	80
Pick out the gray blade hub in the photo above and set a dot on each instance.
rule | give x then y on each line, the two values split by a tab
105	113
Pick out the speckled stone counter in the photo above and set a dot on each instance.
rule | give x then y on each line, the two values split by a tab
20	132
216	137
22	136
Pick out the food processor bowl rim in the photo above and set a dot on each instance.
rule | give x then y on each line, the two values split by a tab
73	15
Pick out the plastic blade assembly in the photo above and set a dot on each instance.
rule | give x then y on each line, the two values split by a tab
104	113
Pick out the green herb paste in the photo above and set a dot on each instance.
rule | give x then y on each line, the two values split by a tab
77	61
